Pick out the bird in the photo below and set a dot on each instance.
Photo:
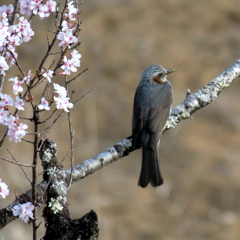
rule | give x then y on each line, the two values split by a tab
151	110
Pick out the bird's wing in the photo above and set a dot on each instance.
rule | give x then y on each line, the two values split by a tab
159	114
137	119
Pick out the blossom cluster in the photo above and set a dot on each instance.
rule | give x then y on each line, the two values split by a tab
13	35
61	100
42	8
66	36
16	130
24	211
3	189
69	65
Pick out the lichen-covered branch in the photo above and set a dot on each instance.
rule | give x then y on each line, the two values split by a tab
58	222
204	96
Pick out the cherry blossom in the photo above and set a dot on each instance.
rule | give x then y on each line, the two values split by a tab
51	5
24	30
72	11
6	100
3	66
69	65
3	189
35	6
19	104
49	75
12	121
25	7
44	104
63	103
17	85
27	78
7	9
24	211
60	90
67	38
3	116
16	130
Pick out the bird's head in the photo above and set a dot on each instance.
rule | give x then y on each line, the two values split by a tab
156	73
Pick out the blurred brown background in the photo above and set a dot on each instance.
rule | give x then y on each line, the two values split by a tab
199	158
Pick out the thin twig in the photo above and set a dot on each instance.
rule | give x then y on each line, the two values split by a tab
20	166
77	75
16	62
51	125
48	118
82	97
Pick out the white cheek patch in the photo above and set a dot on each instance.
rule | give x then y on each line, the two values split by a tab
164	78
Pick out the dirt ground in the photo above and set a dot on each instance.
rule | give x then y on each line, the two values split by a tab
200	198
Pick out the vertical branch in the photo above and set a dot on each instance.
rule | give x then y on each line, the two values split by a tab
72	146
71	137
14	12
34	172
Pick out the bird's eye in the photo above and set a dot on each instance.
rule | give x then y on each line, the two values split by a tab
160	74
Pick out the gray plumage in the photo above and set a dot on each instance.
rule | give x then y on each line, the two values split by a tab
152	106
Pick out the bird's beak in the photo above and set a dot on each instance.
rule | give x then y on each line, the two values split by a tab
171	70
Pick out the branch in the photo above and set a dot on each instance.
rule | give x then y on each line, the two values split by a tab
204	96
192	103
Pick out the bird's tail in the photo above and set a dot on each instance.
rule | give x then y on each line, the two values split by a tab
150	171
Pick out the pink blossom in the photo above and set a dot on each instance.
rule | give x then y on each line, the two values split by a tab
27	78
24	211
43	11
51	5
7	9
17	85
3	115
3	66
5	100
44	104
63	103
3	20
35	6
66	26
10	58
19	104
49	75
67	38
60	90
3	189
72	11
75	55
12	122
24	30
25	7
17	132
69	65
